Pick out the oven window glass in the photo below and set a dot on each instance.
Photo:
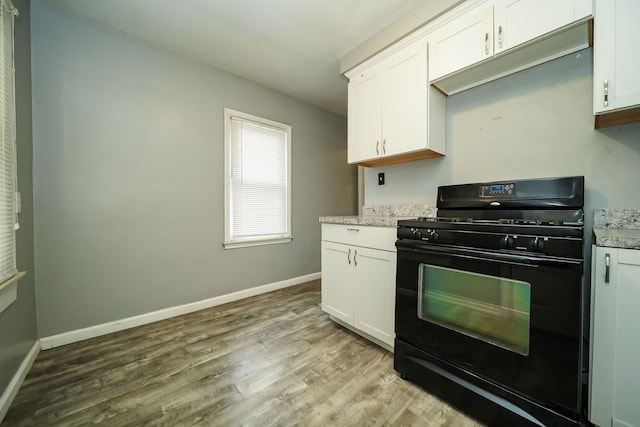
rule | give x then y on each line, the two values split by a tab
493	309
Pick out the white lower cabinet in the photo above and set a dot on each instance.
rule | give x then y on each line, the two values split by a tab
358	278
614	392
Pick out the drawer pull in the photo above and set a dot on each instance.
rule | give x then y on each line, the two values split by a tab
352	229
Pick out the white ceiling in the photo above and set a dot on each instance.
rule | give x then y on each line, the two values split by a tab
293	46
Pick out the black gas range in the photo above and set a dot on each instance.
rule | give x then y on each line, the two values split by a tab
536	216
490	300
543	236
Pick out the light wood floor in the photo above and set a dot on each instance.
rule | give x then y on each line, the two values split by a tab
274	359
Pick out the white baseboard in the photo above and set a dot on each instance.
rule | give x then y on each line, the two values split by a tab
143	319
12	389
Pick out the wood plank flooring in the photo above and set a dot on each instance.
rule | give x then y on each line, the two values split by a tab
271	360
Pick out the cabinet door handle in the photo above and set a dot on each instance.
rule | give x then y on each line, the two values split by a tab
606	92
486	43
384	146
500	36
355	257
607	267
349	256
378	148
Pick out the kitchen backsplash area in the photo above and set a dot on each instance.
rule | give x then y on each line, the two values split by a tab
405	211
616	218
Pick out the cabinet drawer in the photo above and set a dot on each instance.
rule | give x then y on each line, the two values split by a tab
383	238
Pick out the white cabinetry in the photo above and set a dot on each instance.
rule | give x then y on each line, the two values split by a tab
615	340
358	278
616	61
519	21
393	114
464	41
483	31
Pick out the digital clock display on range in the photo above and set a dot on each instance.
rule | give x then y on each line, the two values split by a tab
497	190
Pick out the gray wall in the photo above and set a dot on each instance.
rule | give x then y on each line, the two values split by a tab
422	13
535	123
18	321
128	181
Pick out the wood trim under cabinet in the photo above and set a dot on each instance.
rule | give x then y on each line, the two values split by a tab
400	158
617	118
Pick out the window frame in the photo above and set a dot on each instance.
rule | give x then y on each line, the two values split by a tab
231	242
9	277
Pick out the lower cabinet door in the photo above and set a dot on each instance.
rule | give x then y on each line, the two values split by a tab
374	290
337	280
615	341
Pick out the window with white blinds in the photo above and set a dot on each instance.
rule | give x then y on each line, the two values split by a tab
8	215
257	180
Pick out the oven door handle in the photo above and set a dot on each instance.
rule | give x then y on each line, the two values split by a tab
529	260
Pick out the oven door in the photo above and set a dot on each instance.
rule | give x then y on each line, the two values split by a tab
513	320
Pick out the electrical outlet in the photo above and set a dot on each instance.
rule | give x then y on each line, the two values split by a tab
381	178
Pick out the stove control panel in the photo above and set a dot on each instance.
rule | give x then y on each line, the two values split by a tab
509	242
424	234
497	190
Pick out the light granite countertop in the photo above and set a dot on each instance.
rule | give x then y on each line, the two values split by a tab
375	220
382	216
617	228
617	238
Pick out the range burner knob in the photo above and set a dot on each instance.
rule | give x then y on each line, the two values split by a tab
433	236
417	234
537	245
506	242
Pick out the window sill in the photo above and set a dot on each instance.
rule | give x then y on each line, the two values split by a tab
9	290
233	244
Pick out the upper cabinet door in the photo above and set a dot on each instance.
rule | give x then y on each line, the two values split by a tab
465	40
519	21
364	116
616	60
404	101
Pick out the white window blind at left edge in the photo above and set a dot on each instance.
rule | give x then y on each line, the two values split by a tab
7	149
258	200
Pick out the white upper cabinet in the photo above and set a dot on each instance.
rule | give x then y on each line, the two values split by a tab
485	40
519	21
616	85
464	41
393	113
